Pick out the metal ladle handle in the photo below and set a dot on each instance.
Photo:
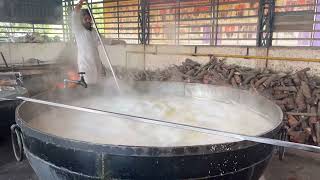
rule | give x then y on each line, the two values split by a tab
104	48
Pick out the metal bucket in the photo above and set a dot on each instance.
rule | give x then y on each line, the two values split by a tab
53	157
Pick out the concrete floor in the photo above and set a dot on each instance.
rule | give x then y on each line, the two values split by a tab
296	166
9	168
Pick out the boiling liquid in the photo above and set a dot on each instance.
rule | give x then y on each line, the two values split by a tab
102	129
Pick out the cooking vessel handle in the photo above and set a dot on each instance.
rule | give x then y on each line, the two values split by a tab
16	139
283	136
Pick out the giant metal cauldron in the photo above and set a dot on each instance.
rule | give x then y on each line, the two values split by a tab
54	157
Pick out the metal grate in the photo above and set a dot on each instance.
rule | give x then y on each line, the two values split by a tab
237	22
120	19
16	32
12	30
188	22
297	23
180	22
204	22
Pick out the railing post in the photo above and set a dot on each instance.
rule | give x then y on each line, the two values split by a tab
144	24
265	23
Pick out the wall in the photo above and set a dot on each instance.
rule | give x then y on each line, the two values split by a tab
160	56
14	53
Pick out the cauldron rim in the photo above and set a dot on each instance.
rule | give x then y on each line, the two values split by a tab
131	150
22	91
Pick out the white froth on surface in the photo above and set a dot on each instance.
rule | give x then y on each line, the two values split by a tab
102	129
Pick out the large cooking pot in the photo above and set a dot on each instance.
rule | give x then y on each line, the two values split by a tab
54	157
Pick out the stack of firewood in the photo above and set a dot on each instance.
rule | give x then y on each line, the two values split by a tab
296	93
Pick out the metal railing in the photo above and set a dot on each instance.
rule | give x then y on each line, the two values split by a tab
188	22
21	32
297	24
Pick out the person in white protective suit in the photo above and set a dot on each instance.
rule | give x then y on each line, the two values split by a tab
87	43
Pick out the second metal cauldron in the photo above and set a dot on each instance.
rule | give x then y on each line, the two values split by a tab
8	107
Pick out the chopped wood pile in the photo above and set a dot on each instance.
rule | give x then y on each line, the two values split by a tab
296	93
